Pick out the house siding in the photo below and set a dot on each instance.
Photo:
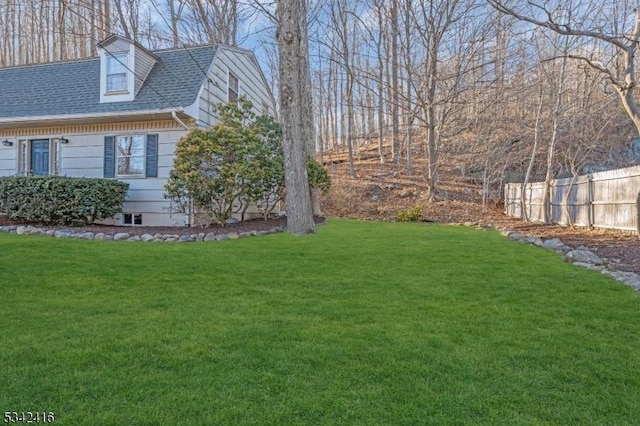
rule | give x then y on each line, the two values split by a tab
83	156
215	91
143	65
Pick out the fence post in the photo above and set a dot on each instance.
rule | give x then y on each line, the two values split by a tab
590	199
638	214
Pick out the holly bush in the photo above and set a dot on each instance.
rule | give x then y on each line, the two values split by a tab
61	200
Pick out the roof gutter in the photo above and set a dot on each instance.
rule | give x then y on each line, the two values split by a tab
41	118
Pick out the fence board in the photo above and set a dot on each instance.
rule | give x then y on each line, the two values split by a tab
608	199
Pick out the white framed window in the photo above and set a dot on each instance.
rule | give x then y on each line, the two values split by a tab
23	157
233	88
117	73
130	155
57	155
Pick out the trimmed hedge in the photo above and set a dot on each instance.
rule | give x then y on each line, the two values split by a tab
61	200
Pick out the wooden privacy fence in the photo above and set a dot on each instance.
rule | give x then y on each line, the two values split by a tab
603	200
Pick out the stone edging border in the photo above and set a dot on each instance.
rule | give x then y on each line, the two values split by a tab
125	236
579	256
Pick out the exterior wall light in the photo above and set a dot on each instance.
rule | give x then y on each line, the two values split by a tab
7	142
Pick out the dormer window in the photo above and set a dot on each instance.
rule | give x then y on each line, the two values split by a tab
117	73
124	67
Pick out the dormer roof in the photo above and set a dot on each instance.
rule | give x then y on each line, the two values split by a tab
114	38
73	87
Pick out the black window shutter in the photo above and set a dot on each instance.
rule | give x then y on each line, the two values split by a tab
152	156
109	156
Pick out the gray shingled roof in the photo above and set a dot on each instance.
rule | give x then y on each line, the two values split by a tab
69	88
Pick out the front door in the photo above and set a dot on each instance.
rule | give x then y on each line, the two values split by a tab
40	157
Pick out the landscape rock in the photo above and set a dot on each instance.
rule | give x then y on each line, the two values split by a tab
505	232
99	236
515	236
628	278
233	235
121	236
584	256
21	230
88	235
134	238
589	266
534	241
554	244
146	237
210	236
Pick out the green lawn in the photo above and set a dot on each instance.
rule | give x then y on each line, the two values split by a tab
364	323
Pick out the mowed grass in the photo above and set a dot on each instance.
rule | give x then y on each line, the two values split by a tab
364	323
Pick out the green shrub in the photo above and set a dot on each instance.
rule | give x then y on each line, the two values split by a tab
222	169
61	200
318	176
237	163
412	215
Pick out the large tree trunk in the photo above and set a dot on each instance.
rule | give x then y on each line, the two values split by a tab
299	207
306	105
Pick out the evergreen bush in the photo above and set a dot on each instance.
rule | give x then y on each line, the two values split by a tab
61	200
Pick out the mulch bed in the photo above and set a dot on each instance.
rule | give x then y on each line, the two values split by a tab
620	249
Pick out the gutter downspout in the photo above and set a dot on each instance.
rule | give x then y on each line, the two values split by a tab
177	119
182	123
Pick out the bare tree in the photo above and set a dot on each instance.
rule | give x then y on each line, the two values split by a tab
342	25
395	95
219	19
433	22
620	71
